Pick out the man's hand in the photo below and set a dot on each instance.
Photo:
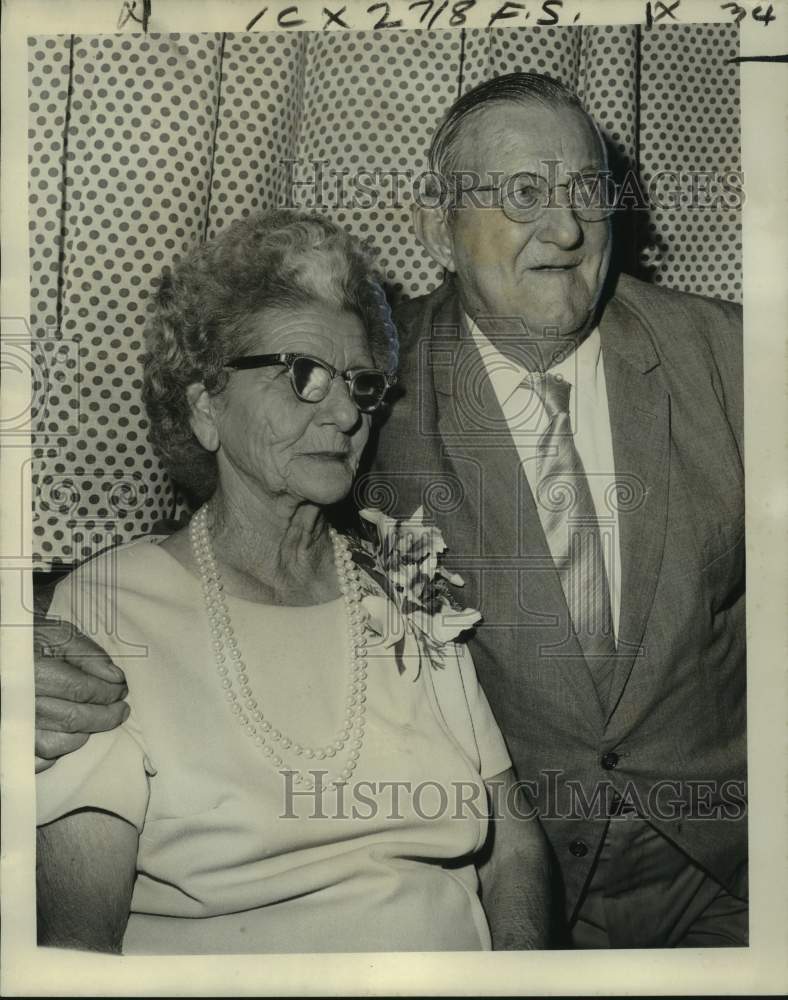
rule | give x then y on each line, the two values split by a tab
79	690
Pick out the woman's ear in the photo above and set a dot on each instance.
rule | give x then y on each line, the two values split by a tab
433	232
203	416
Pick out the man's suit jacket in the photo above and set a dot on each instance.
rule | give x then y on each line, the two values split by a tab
673	369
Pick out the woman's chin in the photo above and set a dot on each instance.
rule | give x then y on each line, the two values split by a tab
329	488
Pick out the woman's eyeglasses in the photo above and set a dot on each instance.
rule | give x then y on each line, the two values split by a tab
311	378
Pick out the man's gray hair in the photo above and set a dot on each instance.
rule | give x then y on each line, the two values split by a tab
512	88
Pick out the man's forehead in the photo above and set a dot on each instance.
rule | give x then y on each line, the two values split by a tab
524	134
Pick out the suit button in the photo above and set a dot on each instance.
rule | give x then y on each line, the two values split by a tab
609	760
579	848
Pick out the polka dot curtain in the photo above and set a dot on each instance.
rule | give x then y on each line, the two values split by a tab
260	107
134	157
141	146
372	101
689	122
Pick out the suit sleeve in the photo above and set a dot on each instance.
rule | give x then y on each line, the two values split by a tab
725	337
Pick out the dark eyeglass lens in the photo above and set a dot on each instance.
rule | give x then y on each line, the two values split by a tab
369	388
311	381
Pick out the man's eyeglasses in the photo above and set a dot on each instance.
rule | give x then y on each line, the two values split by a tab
311	378
524	197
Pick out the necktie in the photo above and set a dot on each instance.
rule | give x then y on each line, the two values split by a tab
569	520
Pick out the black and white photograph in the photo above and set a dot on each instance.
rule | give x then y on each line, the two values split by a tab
382	382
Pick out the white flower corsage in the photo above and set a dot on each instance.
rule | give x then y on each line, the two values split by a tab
411	608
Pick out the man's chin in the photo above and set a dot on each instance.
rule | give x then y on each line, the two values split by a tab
560	325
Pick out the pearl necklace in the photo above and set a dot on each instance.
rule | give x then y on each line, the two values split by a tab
242	702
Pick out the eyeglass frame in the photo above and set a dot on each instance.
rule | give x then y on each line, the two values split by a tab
248	362
550	190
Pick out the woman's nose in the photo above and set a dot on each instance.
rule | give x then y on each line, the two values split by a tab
339	407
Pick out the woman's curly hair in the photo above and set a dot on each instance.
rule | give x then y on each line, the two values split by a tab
203	310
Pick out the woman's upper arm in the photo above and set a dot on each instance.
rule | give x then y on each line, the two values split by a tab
85	872
493	755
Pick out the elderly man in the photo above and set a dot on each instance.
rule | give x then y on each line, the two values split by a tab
577	435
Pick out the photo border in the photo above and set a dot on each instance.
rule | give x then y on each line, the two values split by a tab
761	968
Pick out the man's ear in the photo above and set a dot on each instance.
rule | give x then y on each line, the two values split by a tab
203	416
433	232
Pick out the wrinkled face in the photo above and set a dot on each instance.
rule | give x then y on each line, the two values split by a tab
277	444
548	272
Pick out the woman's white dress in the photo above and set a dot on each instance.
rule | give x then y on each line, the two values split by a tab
228	861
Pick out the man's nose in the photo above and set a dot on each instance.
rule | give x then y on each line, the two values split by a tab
558	223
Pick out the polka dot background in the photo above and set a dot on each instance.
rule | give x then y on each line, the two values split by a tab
262	92
606	84
555	51
689	121
138	158
54	361
48	81
171	137
371	101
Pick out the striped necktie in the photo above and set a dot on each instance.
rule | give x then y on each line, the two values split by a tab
569	520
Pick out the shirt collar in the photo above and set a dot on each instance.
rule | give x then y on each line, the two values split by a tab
506	375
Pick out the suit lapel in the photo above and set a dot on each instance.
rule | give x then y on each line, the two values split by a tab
639	410
468	447
500	519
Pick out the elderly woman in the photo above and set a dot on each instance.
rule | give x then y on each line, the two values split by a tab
290	778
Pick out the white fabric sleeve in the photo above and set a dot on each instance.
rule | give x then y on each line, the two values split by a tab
466	712
110	772
493	755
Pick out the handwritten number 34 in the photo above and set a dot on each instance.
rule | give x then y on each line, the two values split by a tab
738	13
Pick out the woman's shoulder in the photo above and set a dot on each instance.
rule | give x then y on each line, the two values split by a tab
126	556
140	567
134	600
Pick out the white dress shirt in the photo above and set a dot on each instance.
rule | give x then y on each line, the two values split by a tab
527	419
